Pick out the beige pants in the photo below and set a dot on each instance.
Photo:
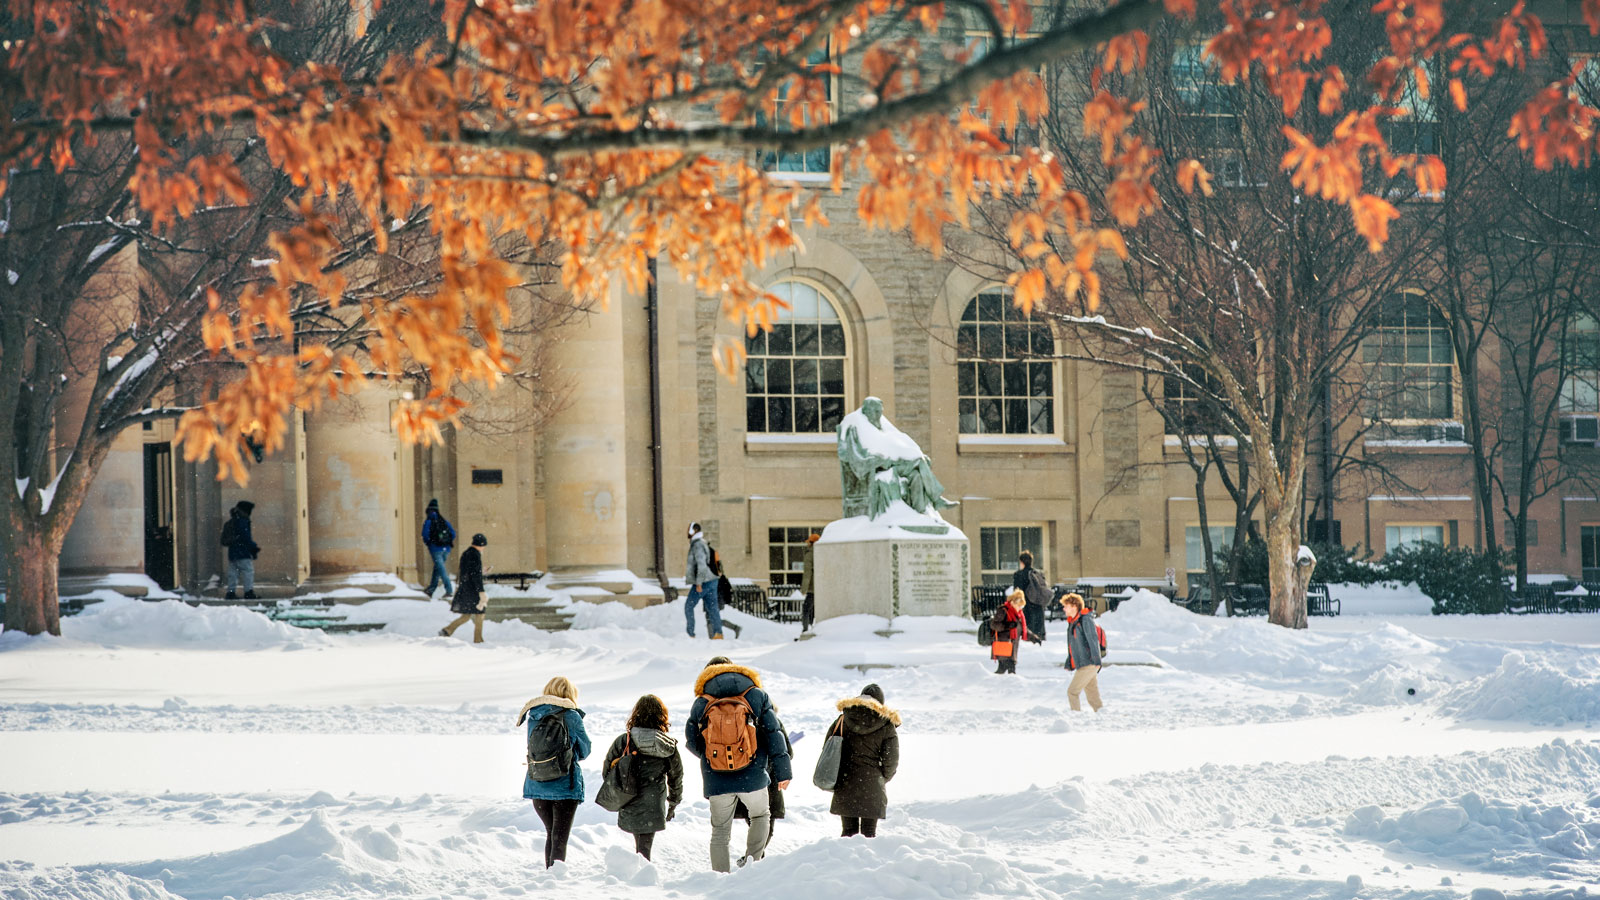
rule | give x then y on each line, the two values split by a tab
477	629
1085	680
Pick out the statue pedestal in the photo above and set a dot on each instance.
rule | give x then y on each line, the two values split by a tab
884	568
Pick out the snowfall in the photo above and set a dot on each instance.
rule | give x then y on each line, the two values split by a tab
160	751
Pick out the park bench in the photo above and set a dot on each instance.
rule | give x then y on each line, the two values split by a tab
1249	600
1318	601
523	579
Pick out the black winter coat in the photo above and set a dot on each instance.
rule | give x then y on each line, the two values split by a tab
775	794
659	770
871	756
469	583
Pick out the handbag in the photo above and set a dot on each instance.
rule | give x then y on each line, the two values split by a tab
614	791
1002	650
826	775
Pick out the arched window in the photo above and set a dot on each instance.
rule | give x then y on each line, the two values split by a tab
1414	361
794	379
1005	380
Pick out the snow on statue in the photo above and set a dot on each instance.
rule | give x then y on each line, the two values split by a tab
879	464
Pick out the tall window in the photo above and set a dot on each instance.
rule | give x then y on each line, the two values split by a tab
1209	112
1194	547
794	378
980	43
1188	408
1413	361
999	546
1416	128
1396	537
786	553
818	160
1580	359
1589	544
1002	385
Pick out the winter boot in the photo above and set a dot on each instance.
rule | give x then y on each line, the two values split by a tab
250	595
229	596
716	637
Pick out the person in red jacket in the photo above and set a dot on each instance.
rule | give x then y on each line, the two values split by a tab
1010	628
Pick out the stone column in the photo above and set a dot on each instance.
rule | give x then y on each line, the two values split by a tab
353	482
585	461
107	535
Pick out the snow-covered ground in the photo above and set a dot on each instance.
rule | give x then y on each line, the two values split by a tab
159	751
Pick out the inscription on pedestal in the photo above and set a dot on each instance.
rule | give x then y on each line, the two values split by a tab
930	578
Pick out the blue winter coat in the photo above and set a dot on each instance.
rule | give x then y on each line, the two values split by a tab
772	748
571	787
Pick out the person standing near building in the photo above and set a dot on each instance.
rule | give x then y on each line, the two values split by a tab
870	758
556	744
701	576
1009	628
242	550
1085	648
1031	583
734	730
808	609
470	598
439	537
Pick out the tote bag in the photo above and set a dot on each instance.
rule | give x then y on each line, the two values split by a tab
827	773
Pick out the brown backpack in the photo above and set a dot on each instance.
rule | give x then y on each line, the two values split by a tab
729	732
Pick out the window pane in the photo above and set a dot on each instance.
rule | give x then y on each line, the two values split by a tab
805	376
1007	549
803	300
781	341
805	415
775	558
987	554
967	341
832	340
780	417
969	416
991	341
970	314
778	376
755	376
1040	376
966	379
1016	341
1041	417
991	306
989	417
756	345
832	412
989	379
755	415
1016	379
832	376
1042	345
805	339
1016	417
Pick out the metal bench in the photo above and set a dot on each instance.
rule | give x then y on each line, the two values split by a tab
1249	599
523	579
986	598
785	603
1318	601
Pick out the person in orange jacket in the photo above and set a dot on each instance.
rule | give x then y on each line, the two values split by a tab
1010	628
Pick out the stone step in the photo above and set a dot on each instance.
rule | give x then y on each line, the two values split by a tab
536	611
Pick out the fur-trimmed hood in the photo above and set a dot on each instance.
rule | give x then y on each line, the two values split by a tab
870	705
546	700
712	672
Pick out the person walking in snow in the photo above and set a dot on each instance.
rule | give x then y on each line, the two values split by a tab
1009	628
1032	584
1085	646
657	769
701	576
870	758
439	537
776	808
734	730
242	550
470	598
556	743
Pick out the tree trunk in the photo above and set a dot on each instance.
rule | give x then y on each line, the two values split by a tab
1288	579
33	603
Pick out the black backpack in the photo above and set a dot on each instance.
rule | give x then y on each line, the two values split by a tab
985	632
1037	592
439	532
550	749
230	532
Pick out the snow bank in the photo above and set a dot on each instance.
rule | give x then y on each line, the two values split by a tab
1528	689
309	859
24	882
1489	834
122	621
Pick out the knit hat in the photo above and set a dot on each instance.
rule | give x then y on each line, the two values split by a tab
478	540
433	503
873	691
813	537
245	507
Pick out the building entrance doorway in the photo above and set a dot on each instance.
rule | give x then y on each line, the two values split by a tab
158	542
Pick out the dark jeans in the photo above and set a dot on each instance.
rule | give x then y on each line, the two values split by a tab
557	818
1034	613
643	842
854	826
808	612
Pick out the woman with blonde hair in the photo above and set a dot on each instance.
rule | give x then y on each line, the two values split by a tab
556	743
1009	627
657	771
